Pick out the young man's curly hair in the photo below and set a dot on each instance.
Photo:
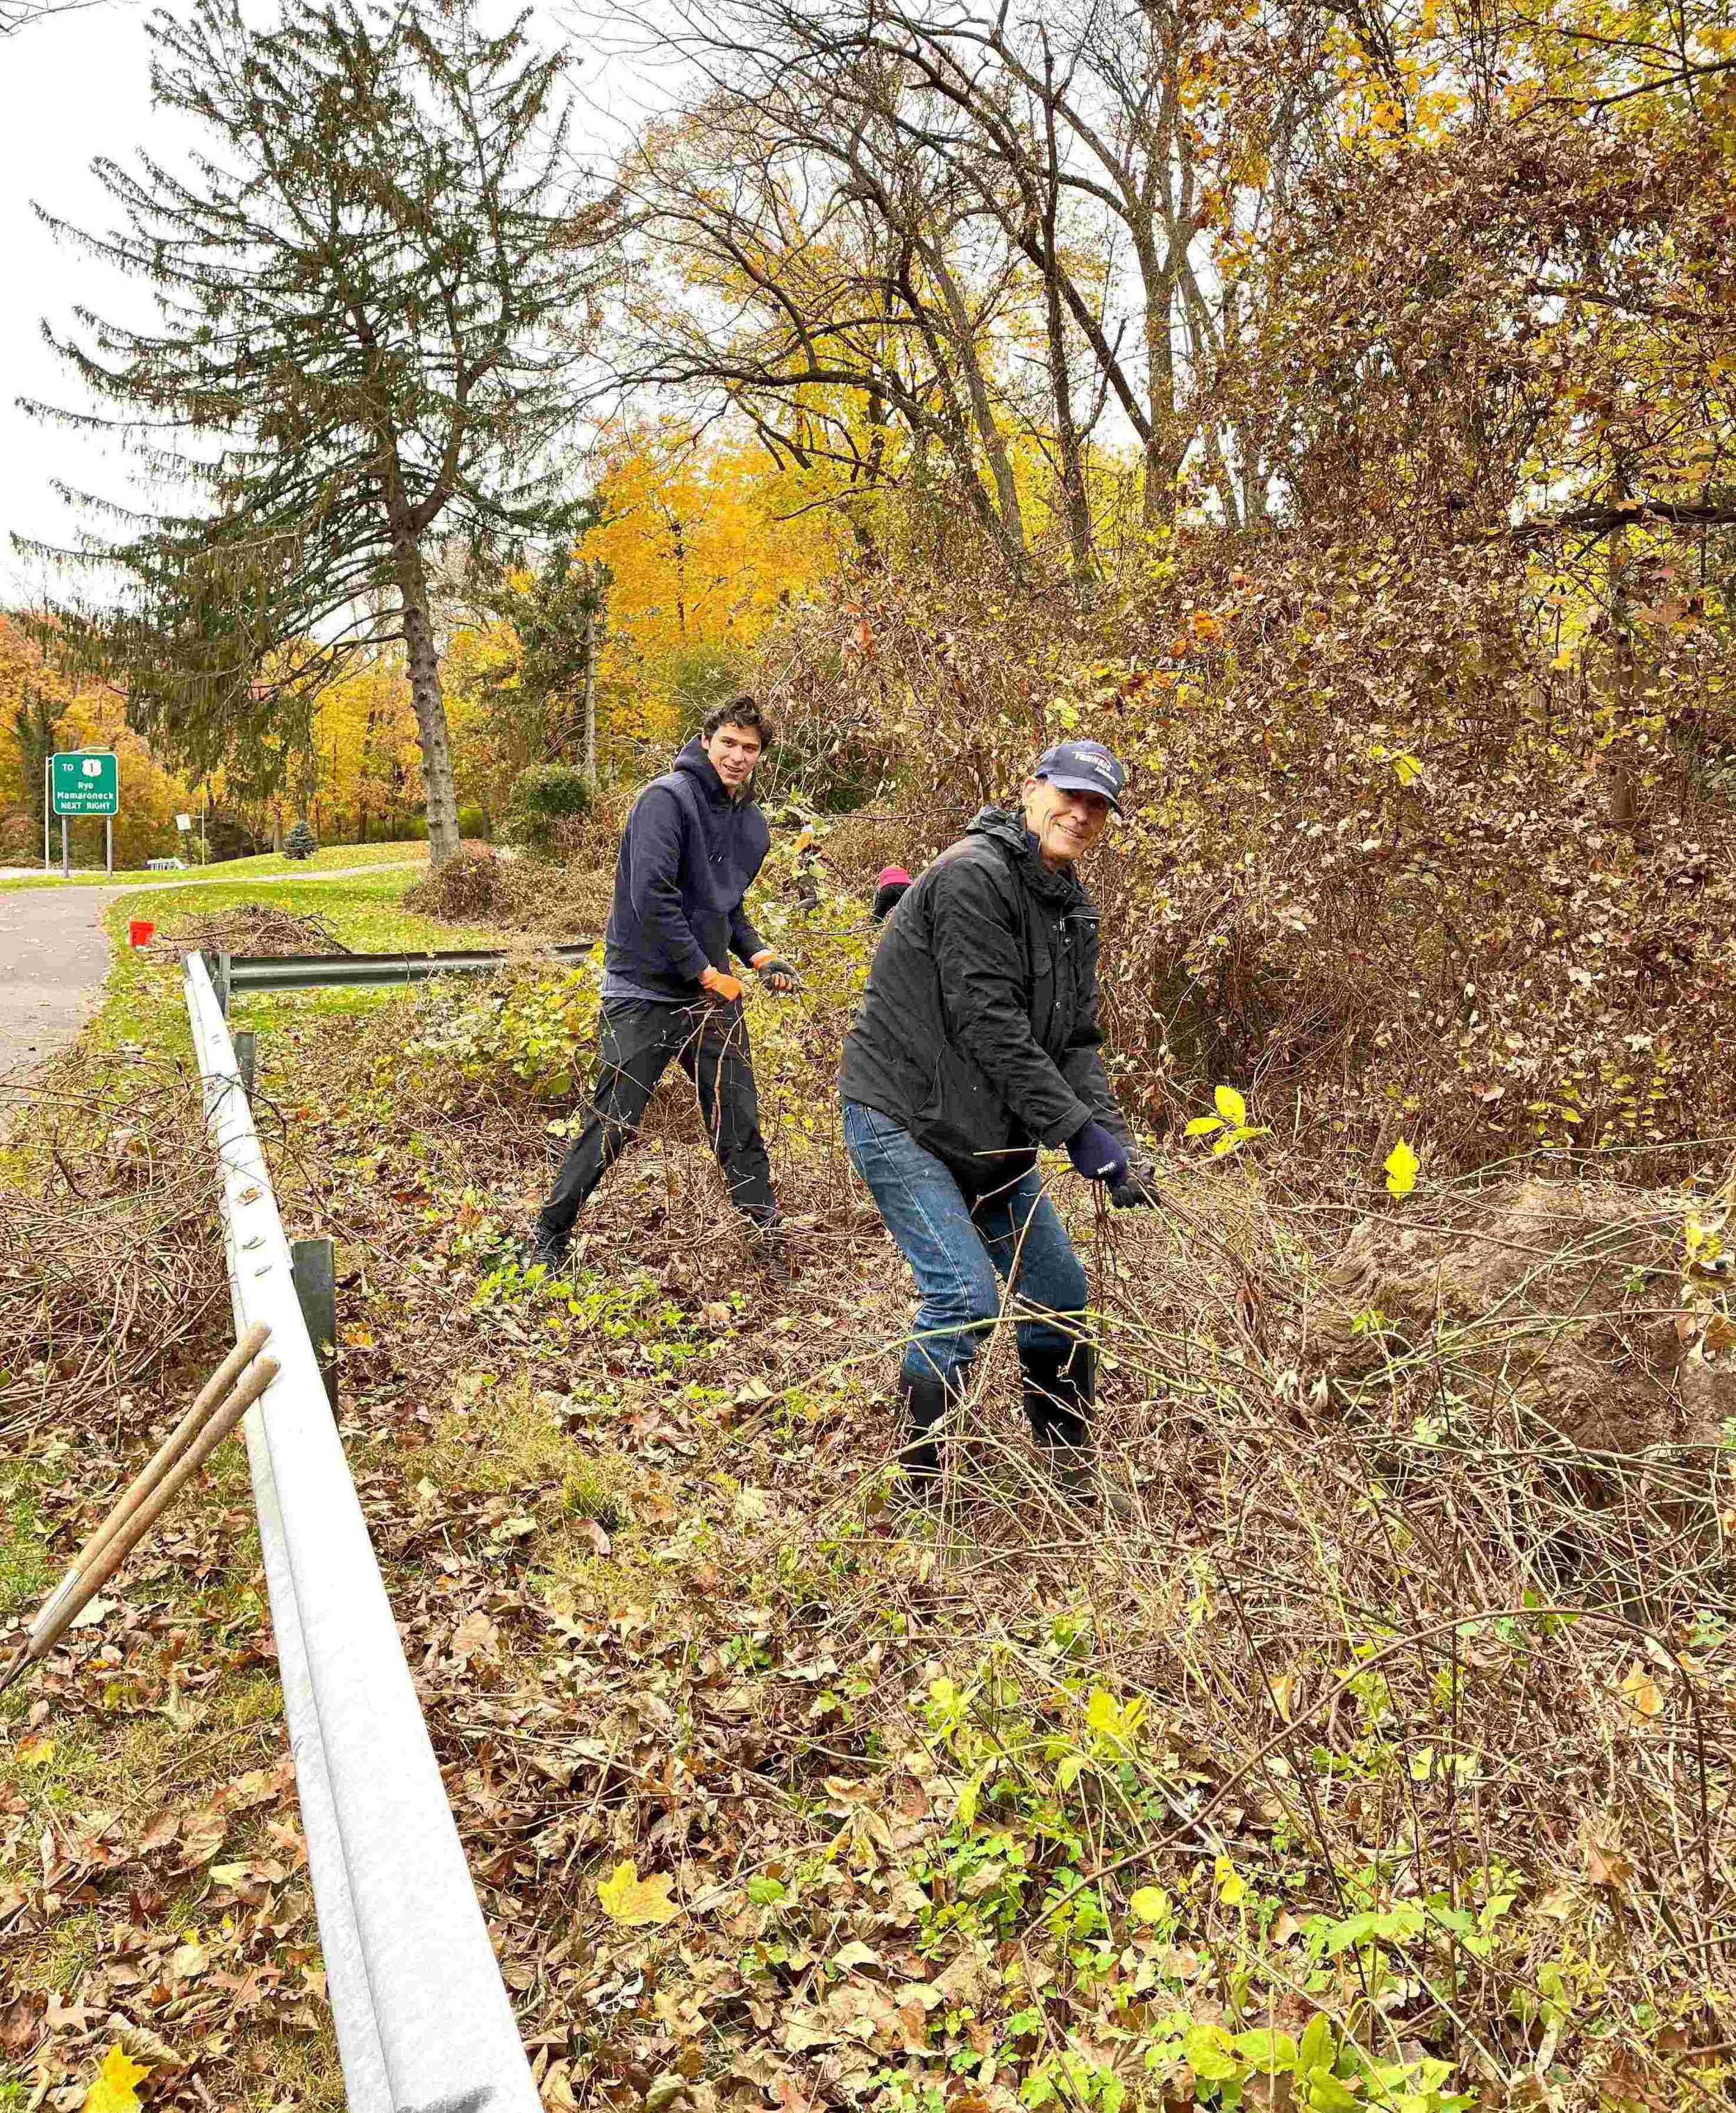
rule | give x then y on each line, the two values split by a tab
741	711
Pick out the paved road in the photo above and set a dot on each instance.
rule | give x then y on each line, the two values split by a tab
54	956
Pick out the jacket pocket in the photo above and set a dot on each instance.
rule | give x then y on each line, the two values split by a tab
962	1116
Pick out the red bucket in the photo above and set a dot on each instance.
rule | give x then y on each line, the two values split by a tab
140	933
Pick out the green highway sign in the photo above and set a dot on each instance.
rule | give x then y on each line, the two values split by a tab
87	784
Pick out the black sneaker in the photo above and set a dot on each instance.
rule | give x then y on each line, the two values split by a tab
542	1246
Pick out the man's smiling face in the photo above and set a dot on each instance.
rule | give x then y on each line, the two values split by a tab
1065	825
732	751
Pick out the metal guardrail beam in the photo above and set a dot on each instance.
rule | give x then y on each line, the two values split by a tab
282	972
423	2023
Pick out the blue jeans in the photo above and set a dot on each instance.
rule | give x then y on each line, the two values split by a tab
957	1254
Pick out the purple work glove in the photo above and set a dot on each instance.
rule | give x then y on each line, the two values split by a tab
1096	1154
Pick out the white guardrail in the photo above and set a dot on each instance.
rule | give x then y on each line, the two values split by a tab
423	2023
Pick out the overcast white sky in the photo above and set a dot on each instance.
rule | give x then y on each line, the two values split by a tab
77	86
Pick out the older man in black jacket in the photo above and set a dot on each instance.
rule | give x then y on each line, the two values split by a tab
692	847
976	1045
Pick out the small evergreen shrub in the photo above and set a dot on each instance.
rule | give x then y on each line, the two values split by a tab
301	843
544	797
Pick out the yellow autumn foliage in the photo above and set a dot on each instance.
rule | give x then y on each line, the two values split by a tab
705	542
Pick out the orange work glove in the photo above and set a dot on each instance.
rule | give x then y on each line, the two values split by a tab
726	989
774	972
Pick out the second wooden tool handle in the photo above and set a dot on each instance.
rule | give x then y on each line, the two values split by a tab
146	1515
210	1396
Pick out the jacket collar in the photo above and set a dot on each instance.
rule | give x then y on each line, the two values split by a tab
1007	830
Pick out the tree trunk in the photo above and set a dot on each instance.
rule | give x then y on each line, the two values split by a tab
440	789
1075	505
1623	805
982	410
591	696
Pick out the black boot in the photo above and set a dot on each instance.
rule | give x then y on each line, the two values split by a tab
925	1401
769	1243
1060	1398
1060	1392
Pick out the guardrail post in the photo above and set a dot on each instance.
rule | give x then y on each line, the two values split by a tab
313	1266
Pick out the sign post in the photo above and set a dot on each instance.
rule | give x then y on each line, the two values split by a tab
84	782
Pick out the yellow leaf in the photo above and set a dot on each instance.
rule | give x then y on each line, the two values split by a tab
113	2092
1111	1720
1402	1165
36	1751
1150	1904
639	1903
1644	1696
1232	1888
1407	768
1203	1126
1230	1105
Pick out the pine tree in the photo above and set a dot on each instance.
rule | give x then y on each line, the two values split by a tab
301	843
557	614
375	292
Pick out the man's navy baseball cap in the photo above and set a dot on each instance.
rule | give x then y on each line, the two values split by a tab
1083	766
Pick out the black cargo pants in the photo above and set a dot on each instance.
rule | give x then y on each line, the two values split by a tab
637	1039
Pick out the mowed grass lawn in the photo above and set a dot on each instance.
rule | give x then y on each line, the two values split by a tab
143	1006
269	865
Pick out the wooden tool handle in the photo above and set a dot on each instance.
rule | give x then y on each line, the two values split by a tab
59	1615
212	1392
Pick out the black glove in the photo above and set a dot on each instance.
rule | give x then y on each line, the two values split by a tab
1098	1154
774	972
1136	1191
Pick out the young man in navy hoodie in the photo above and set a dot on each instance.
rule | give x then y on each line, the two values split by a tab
692	847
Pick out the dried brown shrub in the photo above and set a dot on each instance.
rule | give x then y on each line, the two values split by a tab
111	1261
476	886
470	886
257	928
1562	1294
1366	872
